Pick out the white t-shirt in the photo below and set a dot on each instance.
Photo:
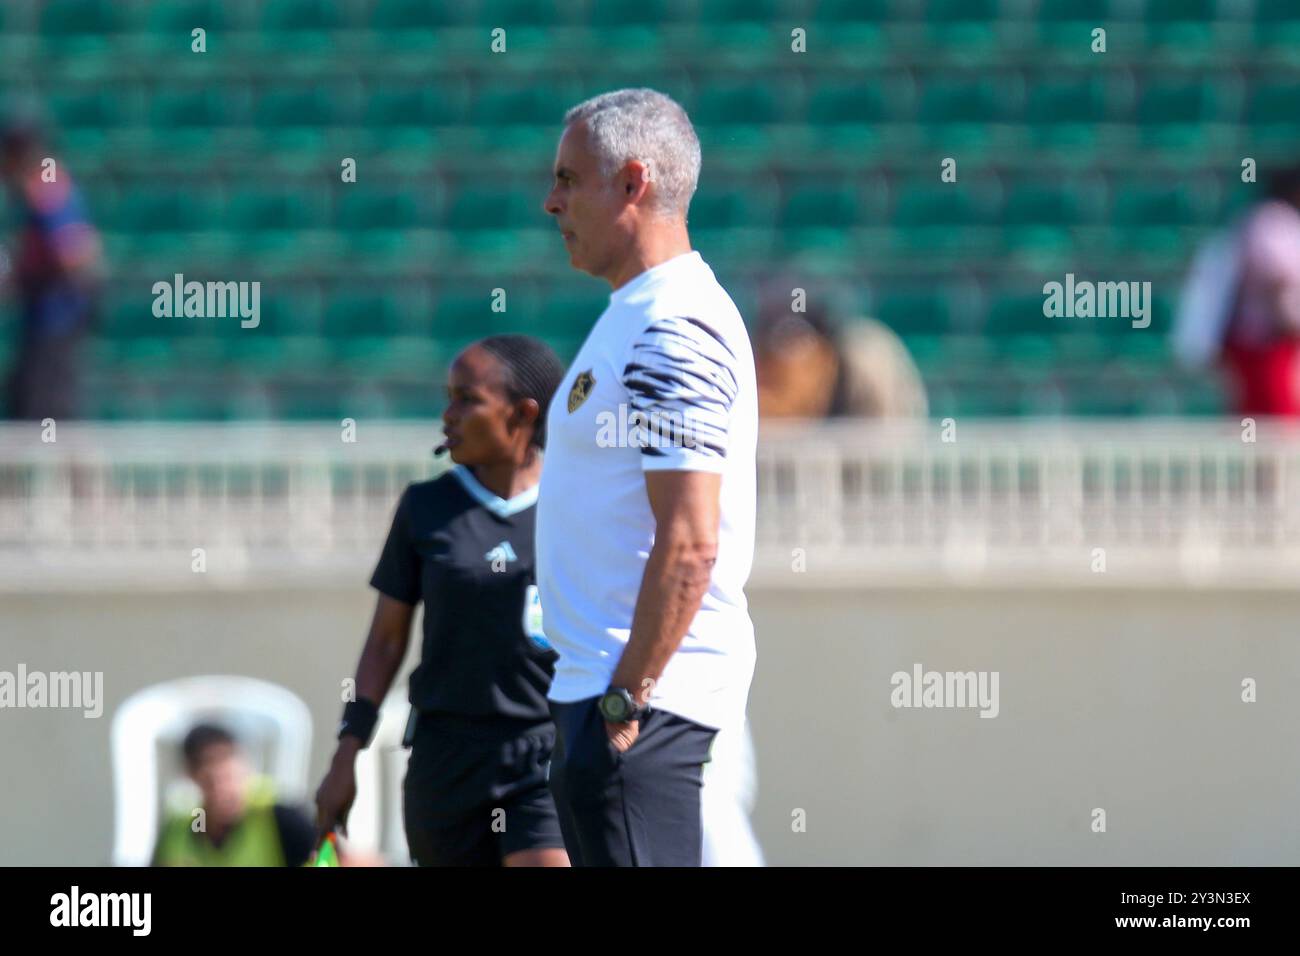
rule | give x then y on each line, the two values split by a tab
664	381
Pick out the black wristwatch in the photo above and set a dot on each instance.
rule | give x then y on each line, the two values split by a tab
618	706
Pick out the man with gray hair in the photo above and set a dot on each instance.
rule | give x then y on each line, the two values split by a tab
645	515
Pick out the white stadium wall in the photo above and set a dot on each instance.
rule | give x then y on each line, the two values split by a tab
1123	699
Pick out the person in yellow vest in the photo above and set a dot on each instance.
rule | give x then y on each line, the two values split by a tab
241	824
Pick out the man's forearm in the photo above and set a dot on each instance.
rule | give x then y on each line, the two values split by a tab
674	583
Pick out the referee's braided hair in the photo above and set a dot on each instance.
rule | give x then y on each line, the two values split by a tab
533	370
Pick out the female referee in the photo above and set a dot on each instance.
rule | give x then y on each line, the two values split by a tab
475	792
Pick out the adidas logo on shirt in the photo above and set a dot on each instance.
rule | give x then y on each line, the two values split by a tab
501	555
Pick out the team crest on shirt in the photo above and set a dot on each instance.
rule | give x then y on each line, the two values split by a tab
582	386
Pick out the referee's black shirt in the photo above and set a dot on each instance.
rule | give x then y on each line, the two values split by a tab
477	658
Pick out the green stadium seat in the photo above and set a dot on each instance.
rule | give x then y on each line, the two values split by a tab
1065	27
1075	349
278	108
509	103
1187	26
361	313
968	99
822	207
858	101
95	109
745	206
1204	396
1274	102
570	313
932	203
363	207
963	23
1078	11
566	347
740	103
1162	319
310	402
965	351
734	11
421	14
951	11
283	208
916	312
524	13
463	309
480	207
290	313
421	401
182	16
1052	204
1033	353
146	359
1237	199
164	209
468	313
380	357
441	103
317	15
261	353
928	352
127	317
1161	205
192	108
851	11
1186	10
647	13
232	404
1272	12
1194	102
1019	314
1077	100
81	17
1277	24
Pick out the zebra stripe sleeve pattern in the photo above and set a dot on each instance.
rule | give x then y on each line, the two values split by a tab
682	382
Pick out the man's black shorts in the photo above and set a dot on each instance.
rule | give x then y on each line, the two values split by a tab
475	790
640	807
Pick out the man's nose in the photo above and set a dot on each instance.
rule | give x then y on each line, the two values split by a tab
549	204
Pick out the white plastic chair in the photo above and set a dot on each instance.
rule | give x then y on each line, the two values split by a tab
375	823
272	724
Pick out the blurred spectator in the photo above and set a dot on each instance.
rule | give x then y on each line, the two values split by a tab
242	825
1241	304
810	365
54	274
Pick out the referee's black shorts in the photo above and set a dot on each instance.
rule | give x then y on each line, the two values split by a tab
475	790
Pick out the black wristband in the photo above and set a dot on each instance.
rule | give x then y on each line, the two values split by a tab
359	719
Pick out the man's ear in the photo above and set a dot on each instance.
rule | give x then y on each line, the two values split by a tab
640	175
